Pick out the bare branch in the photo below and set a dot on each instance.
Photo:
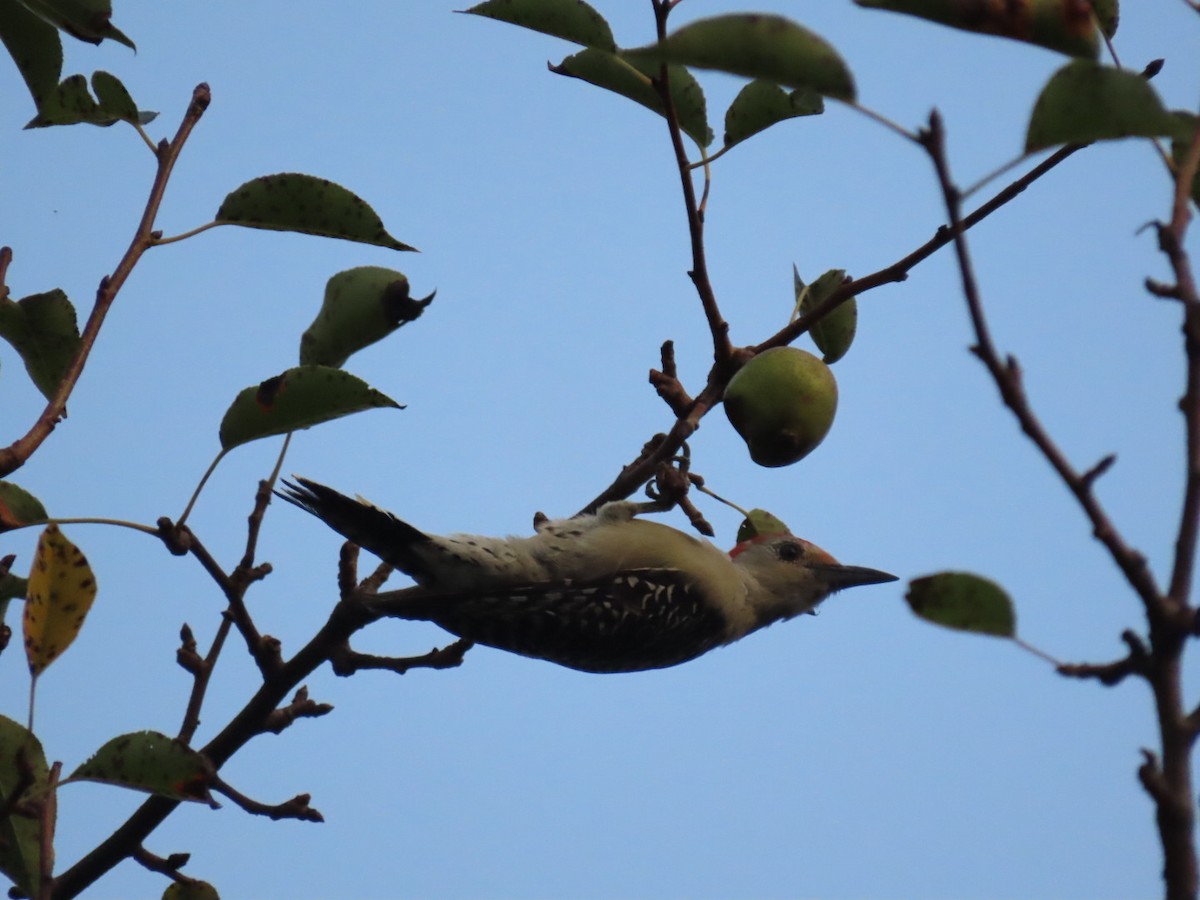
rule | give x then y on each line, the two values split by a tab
168	866
15	455
347	661
6	256
1136	662
1171	242
296	808
301	707
637	472
1006	373
1091	475
1171	621
718	327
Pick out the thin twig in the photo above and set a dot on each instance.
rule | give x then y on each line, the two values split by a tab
718	327
1171	242
296	808
1006	373
6	256
637	472
347	661
301	707
347	617
1170	620
15	455
1135	662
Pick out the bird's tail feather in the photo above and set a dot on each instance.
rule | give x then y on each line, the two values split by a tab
372	528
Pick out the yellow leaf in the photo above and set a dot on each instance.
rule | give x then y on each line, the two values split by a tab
61	590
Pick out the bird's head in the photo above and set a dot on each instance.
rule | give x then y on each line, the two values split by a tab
790	576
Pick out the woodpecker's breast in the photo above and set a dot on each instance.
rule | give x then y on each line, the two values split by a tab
637	620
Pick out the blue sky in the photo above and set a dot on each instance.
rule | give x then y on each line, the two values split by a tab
857	754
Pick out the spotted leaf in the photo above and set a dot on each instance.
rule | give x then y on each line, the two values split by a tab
61	590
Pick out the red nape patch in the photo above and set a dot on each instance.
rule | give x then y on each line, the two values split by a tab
758	539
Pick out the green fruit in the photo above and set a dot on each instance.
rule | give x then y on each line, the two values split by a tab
782	403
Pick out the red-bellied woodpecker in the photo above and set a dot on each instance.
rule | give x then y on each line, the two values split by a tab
602	593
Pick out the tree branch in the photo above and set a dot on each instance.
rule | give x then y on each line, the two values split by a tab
347	617
346	661
664	447
718	327
1006	373
15	455
1171	621
1136	662
296	808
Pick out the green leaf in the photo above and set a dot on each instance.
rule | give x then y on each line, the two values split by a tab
35	47
151	762
1185	129
761	104
759	522
18	507
299	398
87	20
964	602
1085	101
1066	26
632	80
190	890
22	767
362	306
1108	16
834	333
572	20
114	99
767	47
43	330
304	203
69	103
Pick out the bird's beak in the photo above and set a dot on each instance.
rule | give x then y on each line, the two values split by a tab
839	576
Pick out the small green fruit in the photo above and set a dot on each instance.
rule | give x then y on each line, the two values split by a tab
782	403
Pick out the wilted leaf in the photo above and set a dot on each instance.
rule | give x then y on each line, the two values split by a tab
761	104
632	80
43	330
22	767
834	334
61	590
768	47
362	306
151	762
1085	101
759	522
299	398
572	20
304	203
1063	25
18	507
963	601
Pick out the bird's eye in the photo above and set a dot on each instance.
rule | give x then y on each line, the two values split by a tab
790	551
